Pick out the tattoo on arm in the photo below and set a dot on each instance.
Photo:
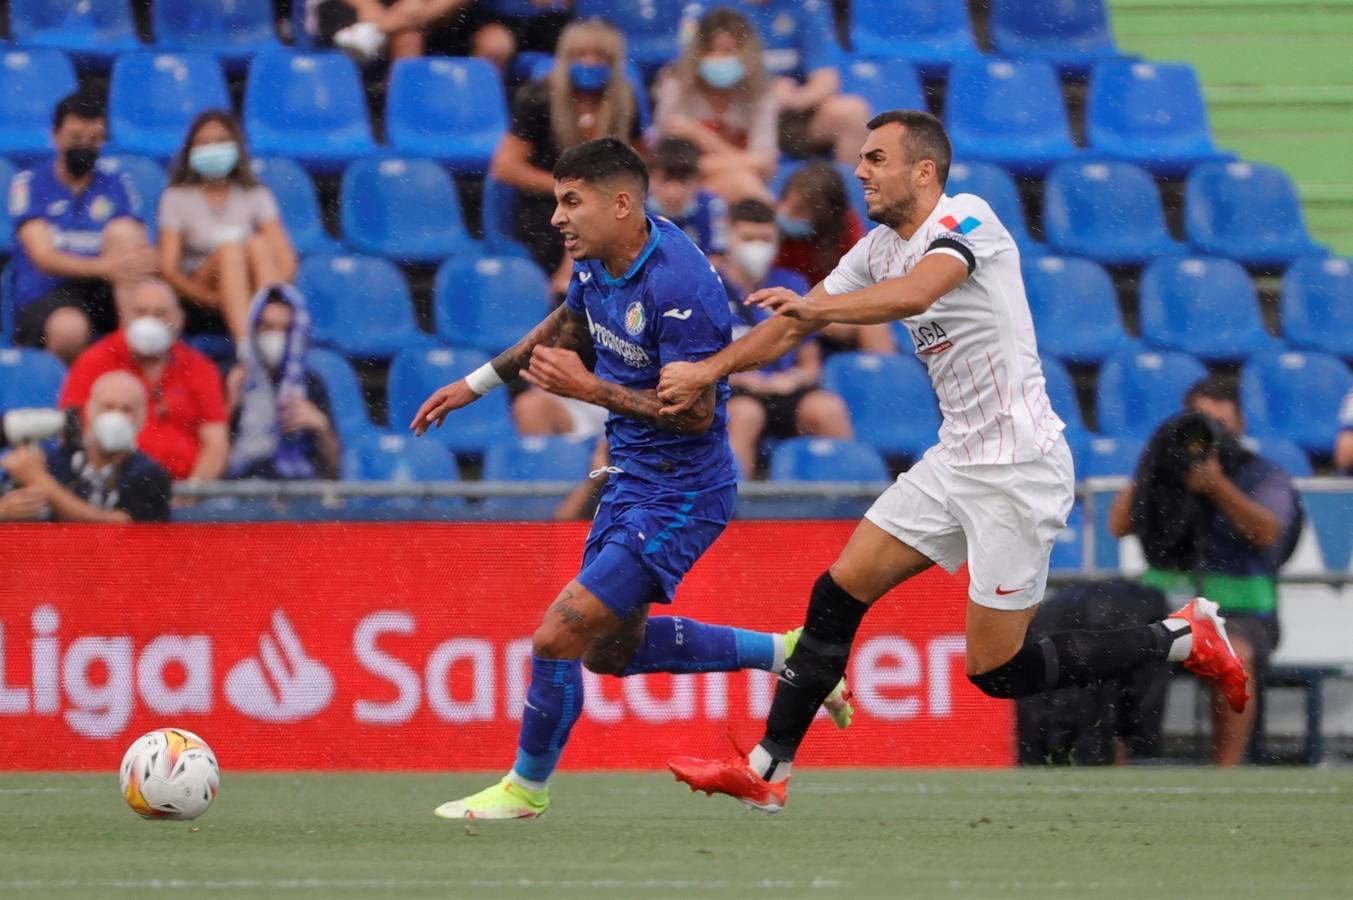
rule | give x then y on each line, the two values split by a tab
645	406
561	328
565	610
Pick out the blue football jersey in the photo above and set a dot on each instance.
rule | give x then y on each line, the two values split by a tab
669	306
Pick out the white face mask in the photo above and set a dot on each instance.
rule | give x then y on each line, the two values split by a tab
272	346
148	336
114	432
754	257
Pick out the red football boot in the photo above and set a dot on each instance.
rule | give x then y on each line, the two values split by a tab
1212	658
732	777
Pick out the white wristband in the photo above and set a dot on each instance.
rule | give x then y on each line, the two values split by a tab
483	379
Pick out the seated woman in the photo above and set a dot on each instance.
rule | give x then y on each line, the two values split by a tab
221	238
718	97
817	228
584	97
280	423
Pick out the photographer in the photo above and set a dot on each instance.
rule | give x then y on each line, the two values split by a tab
1217	520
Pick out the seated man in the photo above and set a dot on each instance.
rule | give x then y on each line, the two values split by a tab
99	476
675	192
782	397
1247	523
280	423
186	429
77	232
1343	444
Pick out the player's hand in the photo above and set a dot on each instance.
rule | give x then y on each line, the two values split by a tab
442	402
681	384
560	372
783	302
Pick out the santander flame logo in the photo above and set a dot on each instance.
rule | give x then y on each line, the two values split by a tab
283	683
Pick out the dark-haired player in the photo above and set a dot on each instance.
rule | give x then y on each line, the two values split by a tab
643	296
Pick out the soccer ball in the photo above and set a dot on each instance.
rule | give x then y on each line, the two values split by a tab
169	773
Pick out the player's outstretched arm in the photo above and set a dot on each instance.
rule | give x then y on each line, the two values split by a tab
887	301
562	328
561	372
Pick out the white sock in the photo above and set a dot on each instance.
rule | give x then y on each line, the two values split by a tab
527	783
1183	643
778	663
762	763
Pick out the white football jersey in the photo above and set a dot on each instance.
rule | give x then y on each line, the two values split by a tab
977	341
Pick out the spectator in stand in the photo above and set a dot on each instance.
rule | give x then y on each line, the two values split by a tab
1249	525
98	475
783	397
804	59
185	430
280	424
717	96
584	97
221	237
675	192
1343	444
817	227
400	29
77	235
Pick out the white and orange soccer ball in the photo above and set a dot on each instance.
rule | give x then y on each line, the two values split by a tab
169	773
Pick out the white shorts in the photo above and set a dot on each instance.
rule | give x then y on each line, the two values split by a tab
1000	519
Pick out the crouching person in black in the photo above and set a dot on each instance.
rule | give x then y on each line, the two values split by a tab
1217	520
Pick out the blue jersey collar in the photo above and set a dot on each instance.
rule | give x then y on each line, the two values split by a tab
649	246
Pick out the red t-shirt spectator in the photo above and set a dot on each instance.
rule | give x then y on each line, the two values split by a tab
188	395
813	262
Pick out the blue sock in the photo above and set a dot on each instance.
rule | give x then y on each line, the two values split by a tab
553	703
676	644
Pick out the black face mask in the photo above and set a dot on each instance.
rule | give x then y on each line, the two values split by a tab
80	160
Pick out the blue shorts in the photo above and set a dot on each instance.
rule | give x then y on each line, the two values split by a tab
645	539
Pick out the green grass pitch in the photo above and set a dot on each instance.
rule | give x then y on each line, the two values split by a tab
1073	833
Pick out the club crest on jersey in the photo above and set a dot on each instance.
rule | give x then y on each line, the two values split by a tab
634	318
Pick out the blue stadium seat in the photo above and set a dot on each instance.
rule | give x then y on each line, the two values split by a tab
488	302
404	209
345	394
1317	305
1151	114
360	305
29	378
1070	35
401	459
32	82
234	30
996	186
545	65
886	84
1248	212
296	197
650	27
854	190
1295	395
147	179
153	97
1106	211
95	31
534	458
1207	307
1068	548
1010	113
415	374
310	107
1282	452
931	33
7	172
1062	395
450	110
892	405
1138	389
823	459
1075	308
6	304
495	217
1111	457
